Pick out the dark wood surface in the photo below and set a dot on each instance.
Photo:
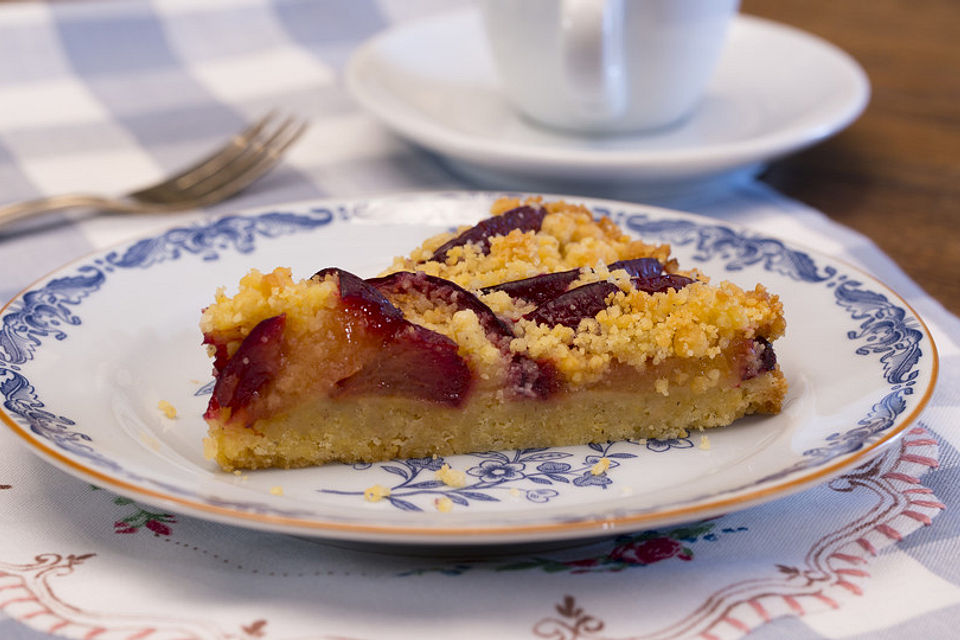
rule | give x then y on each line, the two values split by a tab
893	175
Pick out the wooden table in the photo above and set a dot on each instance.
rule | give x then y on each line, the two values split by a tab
894	175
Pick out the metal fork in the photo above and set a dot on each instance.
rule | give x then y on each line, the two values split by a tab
246	157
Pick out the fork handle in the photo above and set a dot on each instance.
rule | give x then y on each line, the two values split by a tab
30	208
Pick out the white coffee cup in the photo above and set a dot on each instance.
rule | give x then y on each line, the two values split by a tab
606	65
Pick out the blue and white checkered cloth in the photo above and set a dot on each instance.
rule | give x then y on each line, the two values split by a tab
105	96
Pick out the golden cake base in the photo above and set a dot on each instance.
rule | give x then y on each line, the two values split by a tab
370	429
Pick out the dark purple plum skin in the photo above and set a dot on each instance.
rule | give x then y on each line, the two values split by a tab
524	218
573	306
526	377
659	284
256	362
768	358
381	314
449	292
537	289
547	286
765	359
586	301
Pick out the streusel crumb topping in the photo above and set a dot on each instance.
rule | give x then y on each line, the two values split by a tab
637	329
569	238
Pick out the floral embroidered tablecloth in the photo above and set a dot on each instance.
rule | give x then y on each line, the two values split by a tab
849	557
100	95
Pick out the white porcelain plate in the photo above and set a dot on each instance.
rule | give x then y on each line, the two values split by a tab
776	90
87	353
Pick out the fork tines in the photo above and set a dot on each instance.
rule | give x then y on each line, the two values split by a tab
247	156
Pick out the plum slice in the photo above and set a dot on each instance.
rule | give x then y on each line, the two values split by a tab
761	358
661	283
537	289
525	218
573	306
540	288
256	362
586	301
417	363
768	358
446	291
533	378
379	313
525	376
638	267
412	361
220	355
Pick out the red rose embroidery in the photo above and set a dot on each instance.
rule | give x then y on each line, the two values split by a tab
649	551
123	527
586	562
158	527
583	565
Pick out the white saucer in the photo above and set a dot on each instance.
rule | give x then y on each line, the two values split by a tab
777	89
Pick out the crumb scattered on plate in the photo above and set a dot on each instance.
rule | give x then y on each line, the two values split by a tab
443	504
167	409
600	467
376	493
451	477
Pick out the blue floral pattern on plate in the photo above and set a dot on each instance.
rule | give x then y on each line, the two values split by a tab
522	473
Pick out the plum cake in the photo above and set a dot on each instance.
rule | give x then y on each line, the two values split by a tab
539	326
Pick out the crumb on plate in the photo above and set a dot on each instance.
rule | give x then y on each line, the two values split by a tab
167	409
451	477
376	493
600	467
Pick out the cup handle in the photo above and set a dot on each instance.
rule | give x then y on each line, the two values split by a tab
591	49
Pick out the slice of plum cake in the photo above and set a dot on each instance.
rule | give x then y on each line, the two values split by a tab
537	327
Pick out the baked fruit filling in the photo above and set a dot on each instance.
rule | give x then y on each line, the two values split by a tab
539	326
